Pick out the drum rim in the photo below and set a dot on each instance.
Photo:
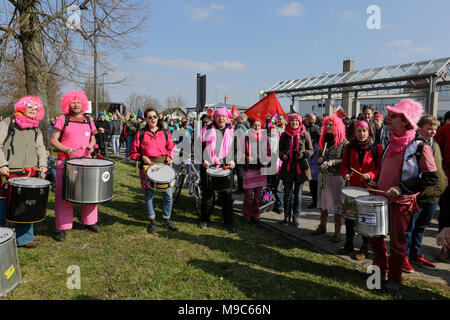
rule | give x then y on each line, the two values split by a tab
12	183
13	233
90	166
222	175
161	181
383	202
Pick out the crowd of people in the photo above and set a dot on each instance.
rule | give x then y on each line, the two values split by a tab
404	155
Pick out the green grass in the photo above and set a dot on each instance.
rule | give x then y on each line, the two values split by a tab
123	261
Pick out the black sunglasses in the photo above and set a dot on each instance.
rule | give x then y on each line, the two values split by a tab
153	117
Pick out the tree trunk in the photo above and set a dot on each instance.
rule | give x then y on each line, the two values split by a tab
35	71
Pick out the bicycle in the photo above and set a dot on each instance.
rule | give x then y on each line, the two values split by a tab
189	178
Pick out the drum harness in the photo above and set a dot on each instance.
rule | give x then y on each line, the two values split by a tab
141	137
11	132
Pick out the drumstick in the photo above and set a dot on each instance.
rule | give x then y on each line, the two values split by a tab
354	170
376	190
324	148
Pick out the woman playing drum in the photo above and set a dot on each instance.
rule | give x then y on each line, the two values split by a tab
361	163
156	147
22	146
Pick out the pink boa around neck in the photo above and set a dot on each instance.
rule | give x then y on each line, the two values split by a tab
399	144
24	122
210	139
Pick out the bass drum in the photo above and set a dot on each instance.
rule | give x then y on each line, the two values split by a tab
27	199
88	180
9	262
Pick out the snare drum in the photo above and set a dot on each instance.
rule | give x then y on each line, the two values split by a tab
348	206
373	216
160	177
88	180
27	199
219	179
9	262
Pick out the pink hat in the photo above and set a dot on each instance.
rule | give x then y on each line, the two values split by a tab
410	109
222	112
23	102
361	123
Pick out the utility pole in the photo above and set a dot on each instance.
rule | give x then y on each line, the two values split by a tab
95	62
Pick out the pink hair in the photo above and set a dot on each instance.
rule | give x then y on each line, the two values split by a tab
338	130
70	96
21	105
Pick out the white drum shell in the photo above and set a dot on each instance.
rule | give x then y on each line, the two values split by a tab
10	276
373	216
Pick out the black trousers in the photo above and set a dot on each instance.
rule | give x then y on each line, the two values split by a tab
350	233
313	189
207	204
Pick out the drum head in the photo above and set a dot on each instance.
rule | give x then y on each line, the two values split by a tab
6	234
161	173
29	182
218	172
372	199
355	191
89	162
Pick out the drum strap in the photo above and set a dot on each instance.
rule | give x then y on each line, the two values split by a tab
11	132
141	136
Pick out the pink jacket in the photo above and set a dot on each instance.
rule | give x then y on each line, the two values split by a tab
152	145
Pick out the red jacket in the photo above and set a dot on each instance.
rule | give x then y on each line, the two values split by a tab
443	139
368	165
153	145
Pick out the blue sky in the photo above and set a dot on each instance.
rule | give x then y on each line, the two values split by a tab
247	46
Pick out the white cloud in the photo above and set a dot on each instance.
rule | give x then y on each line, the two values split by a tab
348	15
399	43
405	47
293	9
188	64
202	13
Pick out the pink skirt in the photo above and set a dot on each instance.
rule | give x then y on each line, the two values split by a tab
329	192
253	179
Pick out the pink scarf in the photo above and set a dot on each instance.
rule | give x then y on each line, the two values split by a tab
399	144
210	142
292	133
24	122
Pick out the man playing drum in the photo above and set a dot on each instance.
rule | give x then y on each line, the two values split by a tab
407	169
217	143
153	145
73	136
22	146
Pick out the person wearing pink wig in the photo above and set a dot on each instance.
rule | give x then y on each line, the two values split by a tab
22	146
404	175
74	140
332	141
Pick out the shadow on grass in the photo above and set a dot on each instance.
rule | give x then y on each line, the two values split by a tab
282	287
257	253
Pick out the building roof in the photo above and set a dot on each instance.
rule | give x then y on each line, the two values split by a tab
402	76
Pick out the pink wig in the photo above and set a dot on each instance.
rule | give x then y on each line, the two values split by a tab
70	96
338	130
21	105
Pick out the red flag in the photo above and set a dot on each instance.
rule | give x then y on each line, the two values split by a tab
234	112
340	112
210	112
265	106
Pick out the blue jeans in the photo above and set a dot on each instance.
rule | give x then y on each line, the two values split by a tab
128	148
416	228
167	203
24	231
276	185
116	143
292	190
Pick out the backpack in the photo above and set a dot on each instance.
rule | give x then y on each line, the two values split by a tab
66	123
